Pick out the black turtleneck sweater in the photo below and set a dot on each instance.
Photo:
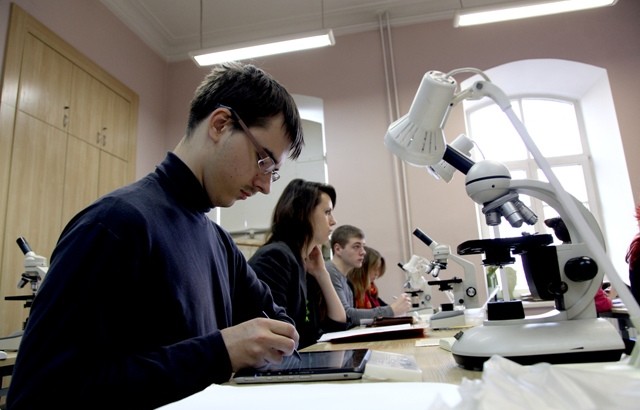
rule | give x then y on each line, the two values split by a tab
130	311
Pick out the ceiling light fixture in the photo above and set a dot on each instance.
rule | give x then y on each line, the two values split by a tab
520	10
263	47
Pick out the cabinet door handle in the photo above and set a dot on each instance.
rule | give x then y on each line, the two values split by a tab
65	117
104	136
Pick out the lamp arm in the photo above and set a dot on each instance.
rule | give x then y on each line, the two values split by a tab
481	89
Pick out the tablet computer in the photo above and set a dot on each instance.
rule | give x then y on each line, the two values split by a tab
327	365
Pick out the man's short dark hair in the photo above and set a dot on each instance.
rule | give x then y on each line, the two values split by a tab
344	233
253	94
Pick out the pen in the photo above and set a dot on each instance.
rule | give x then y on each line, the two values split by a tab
295	351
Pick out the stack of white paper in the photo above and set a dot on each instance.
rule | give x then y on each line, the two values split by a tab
387	366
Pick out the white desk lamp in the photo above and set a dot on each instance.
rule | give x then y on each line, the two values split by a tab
418	139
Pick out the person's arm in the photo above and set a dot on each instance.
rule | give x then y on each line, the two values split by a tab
345	294
252	299
341	287
314	264
276	266
81	335
401	305
100	325
258	342
356	315
255	296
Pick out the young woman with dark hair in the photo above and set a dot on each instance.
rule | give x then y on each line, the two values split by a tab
291	261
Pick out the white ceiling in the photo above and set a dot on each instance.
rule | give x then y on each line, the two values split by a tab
172	27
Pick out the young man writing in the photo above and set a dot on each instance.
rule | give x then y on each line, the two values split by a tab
148	301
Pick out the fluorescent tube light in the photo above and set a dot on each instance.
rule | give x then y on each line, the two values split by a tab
483	15
263	48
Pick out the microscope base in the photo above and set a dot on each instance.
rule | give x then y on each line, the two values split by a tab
569	341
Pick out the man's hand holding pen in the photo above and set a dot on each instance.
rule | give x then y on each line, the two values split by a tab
258	342
296	354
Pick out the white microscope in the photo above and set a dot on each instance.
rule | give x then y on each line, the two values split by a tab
461	292
35	268
566	274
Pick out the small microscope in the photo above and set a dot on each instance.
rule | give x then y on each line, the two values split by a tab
35	269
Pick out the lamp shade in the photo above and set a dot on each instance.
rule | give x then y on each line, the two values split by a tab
417	138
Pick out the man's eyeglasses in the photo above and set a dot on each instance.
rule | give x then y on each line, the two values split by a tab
266	162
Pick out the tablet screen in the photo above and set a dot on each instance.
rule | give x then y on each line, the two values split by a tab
319	365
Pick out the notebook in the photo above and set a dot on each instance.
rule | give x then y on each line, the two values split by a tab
346	364
368	334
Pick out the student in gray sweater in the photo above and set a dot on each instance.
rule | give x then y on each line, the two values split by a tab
349	251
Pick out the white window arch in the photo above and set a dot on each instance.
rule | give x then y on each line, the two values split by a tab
560	101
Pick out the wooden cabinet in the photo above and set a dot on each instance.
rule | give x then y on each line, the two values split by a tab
112	173
81	175
98	114
115	127
45	83
89	174
68	136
